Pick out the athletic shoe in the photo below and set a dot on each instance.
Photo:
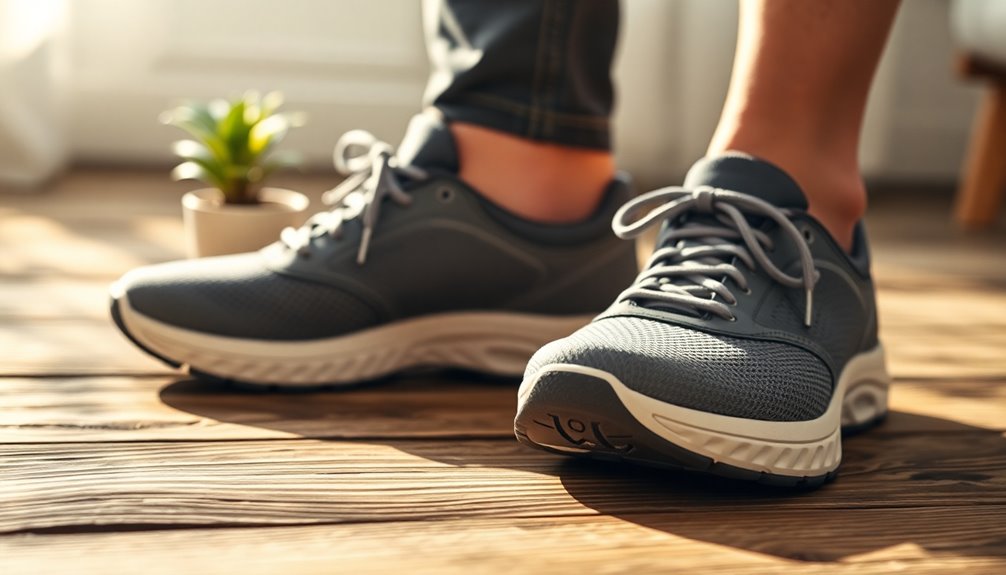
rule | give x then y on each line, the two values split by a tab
744	347
411	268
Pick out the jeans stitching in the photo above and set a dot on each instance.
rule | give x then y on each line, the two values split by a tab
556	46
600	123
540	51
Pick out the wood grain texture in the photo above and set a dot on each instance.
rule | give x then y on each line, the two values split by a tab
930	540
117	408
70	347
112	463
35	298
171	409
298	482
942	330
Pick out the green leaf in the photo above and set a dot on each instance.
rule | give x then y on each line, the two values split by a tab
198	122
194	113
253	108
267	133
195	171
234	131
193	151
233	142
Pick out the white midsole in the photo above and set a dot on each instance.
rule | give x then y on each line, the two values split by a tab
492	342
794	448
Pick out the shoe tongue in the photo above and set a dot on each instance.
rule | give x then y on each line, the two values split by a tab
747	175
428	144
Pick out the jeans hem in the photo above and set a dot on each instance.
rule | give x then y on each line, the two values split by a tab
493	112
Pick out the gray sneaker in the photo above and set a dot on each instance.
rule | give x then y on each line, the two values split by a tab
412	268
743	349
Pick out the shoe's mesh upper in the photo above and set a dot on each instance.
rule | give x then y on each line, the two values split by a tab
837	332
729	376
237	296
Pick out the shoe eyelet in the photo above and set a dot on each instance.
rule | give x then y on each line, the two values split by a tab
732	318
808	235
445	195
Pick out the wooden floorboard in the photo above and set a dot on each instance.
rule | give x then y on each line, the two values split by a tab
929	540
296	482
102	409
159	408
112	463
34	347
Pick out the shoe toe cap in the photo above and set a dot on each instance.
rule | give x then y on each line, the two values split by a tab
737	377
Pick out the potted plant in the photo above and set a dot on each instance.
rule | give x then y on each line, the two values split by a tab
232	150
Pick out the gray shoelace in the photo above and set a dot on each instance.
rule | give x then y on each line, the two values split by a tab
688	270
372	174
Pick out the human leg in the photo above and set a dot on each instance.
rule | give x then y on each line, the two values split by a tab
525	87
801	78
554	183
414	266
749	341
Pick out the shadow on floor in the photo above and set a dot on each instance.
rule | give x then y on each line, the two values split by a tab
919	481
941	492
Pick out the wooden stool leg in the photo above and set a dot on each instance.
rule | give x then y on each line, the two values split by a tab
984	178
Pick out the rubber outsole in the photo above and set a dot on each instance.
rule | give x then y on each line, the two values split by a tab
116	312
255	387
584	417
498	350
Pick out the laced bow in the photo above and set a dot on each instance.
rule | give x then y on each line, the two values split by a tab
688	270
372	174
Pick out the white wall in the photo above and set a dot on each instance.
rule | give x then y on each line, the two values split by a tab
361	63
918	119
920	112
347	63
32	143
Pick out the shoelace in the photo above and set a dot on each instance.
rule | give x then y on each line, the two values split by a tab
688	270
372	174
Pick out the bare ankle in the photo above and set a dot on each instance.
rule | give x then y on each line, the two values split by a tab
538	181
829	178
838	204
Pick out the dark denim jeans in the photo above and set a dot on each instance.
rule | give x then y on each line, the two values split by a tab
538	69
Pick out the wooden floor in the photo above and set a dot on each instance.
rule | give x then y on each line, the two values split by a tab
112	463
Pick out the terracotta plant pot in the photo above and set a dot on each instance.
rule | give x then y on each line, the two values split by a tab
213	228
